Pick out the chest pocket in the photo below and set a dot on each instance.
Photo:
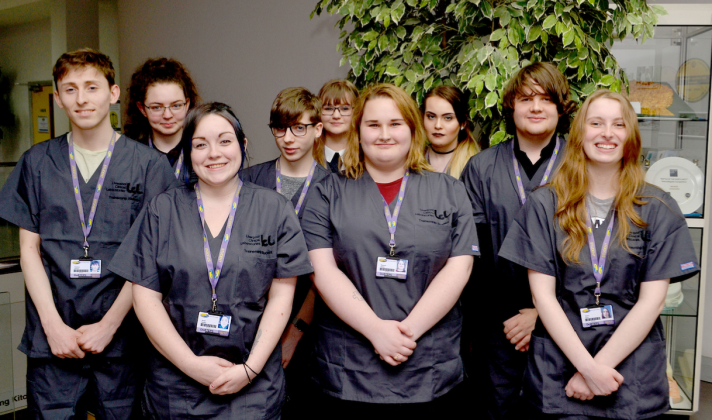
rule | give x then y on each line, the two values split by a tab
626	267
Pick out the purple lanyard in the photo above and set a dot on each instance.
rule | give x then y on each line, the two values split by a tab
520	186
304	189
598	263
214	275
86	227
393	220
179	164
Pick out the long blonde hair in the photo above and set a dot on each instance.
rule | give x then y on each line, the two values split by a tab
353	158
467	146
571	180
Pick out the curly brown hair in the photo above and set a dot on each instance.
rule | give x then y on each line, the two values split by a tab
154	70
554	84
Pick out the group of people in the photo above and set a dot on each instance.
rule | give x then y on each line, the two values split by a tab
337	280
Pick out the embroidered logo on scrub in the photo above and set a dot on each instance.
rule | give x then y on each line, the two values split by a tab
687	266
434	216
475	248
255	244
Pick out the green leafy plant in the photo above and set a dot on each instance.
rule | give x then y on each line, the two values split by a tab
477	45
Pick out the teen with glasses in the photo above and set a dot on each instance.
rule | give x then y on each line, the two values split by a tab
160	95
337	97
296	127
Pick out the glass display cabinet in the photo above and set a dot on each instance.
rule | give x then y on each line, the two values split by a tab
669	79
7	391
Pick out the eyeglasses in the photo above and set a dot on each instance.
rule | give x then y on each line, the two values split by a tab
344	110
299	130
160	109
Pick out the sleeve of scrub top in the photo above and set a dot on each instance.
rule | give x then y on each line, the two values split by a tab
292	254
159	177
316	221
670	253
19	204
135	260
473	185
464	233
529	241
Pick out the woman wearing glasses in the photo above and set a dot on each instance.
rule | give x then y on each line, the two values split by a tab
214	265
296	127
160	95
337	97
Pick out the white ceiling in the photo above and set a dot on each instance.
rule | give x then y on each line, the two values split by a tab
17	12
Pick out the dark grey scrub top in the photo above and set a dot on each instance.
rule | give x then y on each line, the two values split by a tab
164	253
492	187
435	223
265	175
666	251
38	197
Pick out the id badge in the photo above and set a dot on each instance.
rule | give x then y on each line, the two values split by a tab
214	324
391	268
597	315
85	269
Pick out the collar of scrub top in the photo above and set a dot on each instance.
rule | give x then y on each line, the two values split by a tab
214	274
393	220
549	167
598	262
277	168
179	164
86	227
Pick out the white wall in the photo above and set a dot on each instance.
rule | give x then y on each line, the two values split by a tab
239	52
25	55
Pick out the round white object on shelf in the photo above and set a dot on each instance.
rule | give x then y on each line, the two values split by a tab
682	179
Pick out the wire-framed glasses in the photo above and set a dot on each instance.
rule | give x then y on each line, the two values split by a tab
344	110
157	109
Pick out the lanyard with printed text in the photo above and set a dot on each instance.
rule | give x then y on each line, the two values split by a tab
393	220
214	275
86	227
520	186
304	189
598	262
179	164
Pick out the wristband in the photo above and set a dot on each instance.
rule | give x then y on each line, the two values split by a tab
300	324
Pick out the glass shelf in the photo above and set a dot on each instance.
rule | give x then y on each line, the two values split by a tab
687	308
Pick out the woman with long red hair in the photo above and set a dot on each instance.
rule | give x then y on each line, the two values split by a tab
600	240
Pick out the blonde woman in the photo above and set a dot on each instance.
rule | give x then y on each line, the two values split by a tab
392	246
600	238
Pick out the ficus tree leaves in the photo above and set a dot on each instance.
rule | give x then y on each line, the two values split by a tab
477	45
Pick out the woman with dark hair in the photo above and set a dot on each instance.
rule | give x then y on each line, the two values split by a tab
214	266
579	364
451	142
392	245
160	95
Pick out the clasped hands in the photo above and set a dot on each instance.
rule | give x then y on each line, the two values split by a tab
600	380
222	377
393	341
66	342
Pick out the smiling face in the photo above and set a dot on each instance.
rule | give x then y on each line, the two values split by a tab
85	96
336	123
441	124
295	148
385	136
168	122
535	115
215	151
606	132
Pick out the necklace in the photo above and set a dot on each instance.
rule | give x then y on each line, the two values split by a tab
442	153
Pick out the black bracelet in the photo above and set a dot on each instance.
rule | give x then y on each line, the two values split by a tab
249	381
251	370
300	324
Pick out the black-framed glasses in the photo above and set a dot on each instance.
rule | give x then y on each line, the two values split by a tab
156	109
344	110
299	130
